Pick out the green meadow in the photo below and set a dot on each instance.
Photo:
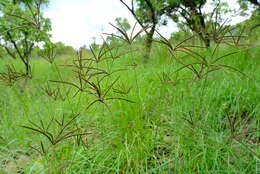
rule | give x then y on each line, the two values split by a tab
117	115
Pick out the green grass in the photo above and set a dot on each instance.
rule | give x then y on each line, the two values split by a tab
170	129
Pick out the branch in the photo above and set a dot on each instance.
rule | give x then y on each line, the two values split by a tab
16	47
9	52
150	5
10	29
255	2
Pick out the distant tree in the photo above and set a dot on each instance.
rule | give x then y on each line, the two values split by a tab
251	7
123	23
181	34
245	4
22	27
94	44
62	49
186	12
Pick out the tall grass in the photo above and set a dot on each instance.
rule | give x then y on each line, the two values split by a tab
163	117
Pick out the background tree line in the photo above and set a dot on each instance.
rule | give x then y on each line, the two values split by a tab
187	14
24	30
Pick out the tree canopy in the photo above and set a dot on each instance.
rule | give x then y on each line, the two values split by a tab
22	27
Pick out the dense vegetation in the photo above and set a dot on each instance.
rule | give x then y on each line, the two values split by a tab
135	103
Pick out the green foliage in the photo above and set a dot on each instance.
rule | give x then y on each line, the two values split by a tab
2	52
123	23
247	4
30	1
188	110
250	27
62	49
146	15
180	35
190	12
22	27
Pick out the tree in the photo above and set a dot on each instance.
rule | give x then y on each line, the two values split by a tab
252	8
62	49
22	27
123	23
191	12
149	14
254	5
246	3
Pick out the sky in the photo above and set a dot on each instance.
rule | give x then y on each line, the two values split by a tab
80	22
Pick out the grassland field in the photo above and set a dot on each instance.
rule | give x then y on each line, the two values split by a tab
185	126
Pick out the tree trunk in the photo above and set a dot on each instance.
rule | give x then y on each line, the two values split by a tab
148	44
204	34
198	26
10	53
205	38
28	70
24	57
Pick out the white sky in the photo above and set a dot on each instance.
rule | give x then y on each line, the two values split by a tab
77	22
